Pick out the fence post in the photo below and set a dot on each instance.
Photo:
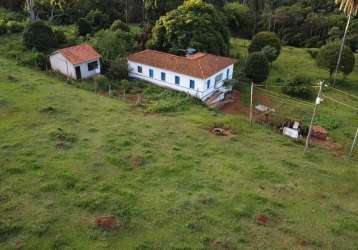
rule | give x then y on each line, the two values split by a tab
251	103
353	145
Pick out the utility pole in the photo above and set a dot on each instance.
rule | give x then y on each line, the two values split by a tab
353	144
251	103
318	101
341	51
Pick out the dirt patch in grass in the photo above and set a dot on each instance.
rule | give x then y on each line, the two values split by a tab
137	162
107	223
64	140
335	147
262	219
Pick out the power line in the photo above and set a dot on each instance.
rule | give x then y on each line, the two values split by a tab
341	103
345	93
286	96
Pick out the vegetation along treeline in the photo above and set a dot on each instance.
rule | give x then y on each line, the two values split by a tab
303	23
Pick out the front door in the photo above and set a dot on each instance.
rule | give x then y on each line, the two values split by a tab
78	73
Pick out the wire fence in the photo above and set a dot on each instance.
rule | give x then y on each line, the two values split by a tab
334	126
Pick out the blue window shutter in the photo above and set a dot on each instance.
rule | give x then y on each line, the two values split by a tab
192	84
227	73
177	80
208	84
163	76
140	69
151	73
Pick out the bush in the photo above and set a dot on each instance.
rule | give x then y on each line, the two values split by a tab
15	27
3	27
119	25
60	37
299	87
263	39
257	67
102	83
270	53
84	27
313	53
327	122
118	69
35	59
40	36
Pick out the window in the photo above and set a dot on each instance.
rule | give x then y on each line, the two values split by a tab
177	80
227	73
219	78
140	69
163	76
192	84
208	84
92	66
151	73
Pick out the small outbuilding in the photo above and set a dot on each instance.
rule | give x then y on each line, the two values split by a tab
76	62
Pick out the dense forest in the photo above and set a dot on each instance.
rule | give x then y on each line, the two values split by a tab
303	23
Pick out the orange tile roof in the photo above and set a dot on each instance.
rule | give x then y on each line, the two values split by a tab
200	65
80	53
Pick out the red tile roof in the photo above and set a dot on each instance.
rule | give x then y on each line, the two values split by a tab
200	65
80	53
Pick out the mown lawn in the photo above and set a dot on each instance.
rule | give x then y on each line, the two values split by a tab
68	156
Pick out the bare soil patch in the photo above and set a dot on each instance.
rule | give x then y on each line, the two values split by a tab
107	223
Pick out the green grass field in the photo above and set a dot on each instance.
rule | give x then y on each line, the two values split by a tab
68	156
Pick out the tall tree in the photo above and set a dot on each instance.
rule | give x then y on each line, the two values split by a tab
350	8
194	24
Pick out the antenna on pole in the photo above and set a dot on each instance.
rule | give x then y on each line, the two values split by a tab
318	102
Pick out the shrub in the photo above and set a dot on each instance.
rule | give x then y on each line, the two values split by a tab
119	25
84	27
328	56
263	39
15	27
257	67
36	59
3	27
327	122
60	37
270	53
313	53
118	69
299	87
40	36
102	83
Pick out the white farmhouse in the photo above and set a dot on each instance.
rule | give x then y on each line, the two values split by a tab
77	62
201	75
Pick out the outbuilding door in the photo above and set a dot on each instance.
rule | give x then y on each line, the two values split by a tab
78	73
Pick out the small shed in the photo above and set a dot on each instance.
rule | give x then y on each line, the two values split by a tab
76	62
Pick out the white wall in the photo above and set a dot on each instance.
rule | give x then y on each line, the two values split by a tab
60	64
88	74
200	90
214	86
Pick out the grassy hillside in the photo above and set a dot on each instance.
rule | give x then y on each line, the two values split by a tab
296	62
68	156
